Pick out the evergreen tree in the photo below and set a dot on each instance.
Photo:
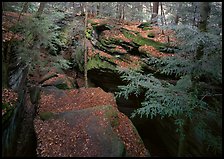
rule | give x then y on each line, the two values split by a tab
199	74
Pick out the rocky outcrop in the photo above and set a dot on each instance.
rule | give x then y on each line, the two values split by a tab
117	44
84	123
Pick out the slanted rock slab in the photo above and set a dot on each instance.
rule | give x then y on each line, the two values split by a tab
91	127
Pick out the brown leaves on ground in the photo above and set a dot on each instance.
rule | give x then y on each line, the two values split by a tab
10	19
10	97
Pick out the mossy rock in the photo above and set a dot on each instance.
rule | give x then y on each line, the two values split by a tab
34	94
89	33
102	27
46	115
145	24
138	39
166	49
96	62
151	35
147	28
108	43
112	115
47	77
64	82
63	86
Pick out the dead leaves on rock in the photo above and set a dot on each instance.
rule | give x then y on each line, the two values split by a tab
57	138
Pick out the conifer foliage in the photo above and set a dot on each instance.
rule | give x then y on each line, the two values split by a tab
185	101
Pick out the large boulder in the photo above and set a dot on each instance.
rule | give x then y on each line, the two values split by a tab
60	81
88	124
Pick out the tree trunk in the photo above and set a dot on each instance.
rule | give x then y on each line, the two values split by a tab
194	17
25	7
85	47
98	9
82	8
176	20
121	10
41	9
140	9
161	8
150	6
118	15
155	12
181	141
204	14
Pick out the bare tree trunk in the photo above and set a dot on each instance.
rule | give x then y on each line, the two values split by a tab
204	14
82	8
194	17
25	7
41	9
118	15
150	6
176	20
85	47
123	9
140	9
161	8
155	12
98	9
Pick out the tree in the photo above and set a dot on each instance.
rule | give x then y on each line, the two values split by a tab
40	9
26	7
204	14
177	16
184	101
98	8
120	10
155	12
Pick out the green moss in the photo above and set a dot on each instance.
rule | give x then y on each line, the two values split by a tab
63	37
108	43
138	39
92	22
151	35
97	62
147	28
145	24
8	114
89	33
46	115
62	86
5	106
100	46
112	115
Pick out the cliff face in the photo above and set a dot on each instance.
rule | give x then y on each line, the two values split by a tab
112	43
